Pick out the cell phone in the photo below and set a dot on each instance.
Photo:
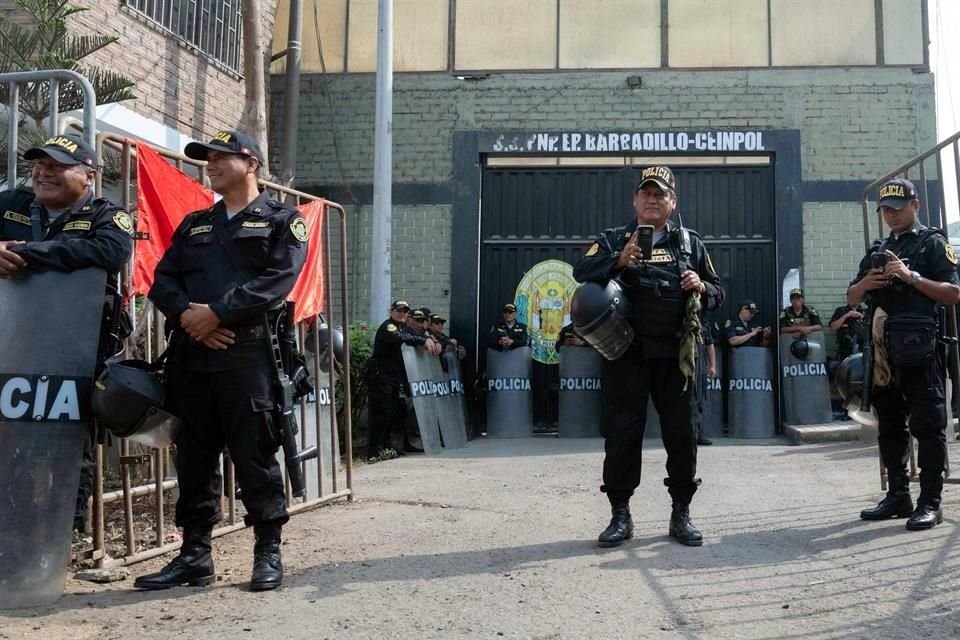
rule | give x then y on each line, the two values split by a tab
879	260
645	240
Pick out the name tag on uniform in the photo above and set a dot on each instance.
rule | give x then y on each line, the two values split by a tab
251	224
661	255
204	228
17	217
77	225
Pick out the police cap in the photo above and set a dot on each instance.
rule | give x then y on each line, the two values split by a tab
436	317
400	304
509	308
236	142
418	314
660	175
748	304
896	194
796	293
67	149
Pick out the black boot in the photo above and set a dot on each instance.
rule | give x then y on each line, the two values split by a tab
194	565
681	527
897	503
267	566
620	527
928	513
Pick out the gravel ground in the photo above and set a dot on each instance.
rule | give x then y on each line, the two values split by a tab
497	540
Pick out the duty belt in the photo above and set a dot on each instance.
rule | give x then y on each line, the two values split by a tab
248	333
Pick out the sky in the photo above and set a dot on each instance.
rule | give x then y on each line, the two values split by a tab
944	19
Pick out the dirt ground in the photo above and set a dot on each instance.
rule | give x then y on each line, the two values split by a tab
497	540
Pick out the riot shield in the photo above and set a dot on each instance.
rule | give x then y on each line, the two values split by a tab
457	390
314	417
581	394
806	388
509	393
712	418
423	390
453	427
751	393
49	328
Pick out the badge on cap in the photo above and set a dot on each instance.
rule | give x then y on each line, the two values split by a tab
299	229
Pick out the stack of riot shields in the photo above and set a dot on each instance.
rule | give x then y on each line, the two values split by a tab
437	397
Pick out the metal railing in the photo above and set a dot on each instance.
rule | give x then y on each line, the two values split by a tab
147	340
917	171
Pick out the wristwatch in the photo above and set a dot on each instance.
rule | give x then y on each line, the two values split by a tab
914	278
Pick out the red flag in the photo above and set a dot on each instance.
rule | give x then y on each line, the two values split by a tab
309	293
165	195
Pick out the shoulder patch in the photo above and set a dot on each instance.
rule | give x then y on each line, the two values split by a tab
950	253
592	251
299	229
391	327
79	225
727	323
709	262
17	217
203	228
122	219
783	314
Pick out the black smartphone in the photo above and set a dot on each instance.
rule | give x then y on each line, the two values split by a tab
645	240
879	260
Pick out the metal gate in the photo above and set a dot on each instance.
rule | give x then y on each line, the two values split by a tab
533	214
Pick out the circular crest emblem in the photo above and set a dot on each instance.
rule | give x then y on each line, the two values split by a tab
299	229
543	302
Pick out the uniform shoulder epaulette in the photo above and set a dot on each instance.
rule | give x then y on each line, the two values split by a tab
276	204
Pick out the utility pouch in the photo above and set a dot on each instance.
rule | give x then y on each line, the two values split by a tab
911	339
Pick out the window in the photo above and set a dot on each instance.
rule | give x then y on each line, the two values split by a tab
212	26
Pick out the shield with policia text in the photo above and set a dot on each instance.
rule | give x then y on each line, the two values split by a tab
433	401
458	402
49	329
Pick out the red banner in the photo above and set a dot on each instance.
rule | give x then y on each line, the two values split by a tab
165	195
309	293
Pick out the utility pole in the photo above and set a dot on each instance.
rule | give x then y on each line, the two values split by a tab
291	96
380	286
254	119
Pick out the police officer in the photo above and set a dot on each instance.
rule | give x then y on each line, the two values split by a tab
509	334
418	320
798	319
568	338
847	323
446	342
387	376
651	364
905	277
64	227
745	331
228	268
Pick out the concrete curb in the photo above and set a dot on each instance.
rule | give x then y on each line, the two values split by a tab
826	432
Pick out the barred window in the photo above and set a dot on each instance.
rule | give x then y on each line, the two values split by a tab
212	26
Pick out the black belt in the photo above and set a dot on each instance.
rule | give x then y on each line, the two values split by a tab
248	333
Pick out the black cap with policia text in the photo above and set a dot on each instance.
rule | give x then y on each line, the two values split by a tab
896	194
67	149
659	175
236	142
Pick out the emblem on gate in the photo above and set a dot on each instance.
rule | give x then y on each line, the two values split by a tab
543	300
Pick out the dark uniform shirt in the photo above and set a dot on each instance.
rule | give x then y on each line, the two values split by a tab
92	232
387	356
709	332
739	327
807	317
656	297
268	240
930	255
517	333
849	334
568	332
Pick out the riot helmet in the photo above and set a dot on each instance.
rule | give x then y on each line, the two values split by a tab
849	379
324	334
800	348
128	400
601	317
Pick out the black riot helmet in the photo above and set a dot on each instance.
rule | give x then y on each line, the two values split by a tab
800	348
127	400
849	379
601	317
326	337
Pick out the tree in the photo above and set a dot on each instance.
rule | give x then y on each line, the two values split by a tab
254	119
44	43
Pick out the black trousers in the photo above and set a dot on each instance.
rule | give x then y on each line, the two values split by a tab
919	393
628	383
231	409
87	464
386	413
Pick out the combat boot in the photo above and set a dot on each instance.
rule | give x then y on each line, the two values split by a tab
620	527
193	566
267	565
897	503
928	513
681	527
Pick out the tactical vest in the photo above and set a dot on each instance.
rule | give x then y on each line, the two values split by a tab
900	297
658	301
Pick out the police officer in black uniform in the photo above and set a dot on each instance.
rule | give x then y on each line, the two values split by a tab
847	323
744	330
798	319
568	338
227	270
906	277
435	329
509	334
64	227
388	377
651	365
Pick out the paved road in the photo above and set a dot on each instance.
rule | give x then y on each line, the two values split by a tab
496	540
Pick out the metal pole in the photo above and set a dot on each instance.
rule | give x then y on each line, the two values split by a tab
12	134
382	165
288	168
54	124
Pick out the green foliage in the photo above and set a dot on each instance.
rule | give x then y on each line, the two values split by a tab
46	44
361	349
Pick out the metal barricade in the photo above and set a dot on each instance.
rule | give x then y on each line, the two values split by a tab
326	484
917	171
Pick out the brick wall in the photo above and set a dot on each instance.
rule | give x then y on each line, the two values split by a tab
855	124
176	85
